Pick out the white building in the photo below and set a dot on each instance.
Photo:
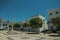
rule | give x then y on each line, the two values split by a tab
45	25
53	14
3	25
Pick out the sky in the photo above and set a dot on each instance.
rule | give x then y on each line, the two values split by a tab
23	9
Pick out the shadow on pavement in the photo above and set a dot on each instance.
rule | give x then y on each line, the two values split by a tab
55	35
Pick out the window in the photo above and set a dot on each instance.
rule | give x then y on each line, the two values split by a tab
50	13
51	27
0	21
4	24
56	12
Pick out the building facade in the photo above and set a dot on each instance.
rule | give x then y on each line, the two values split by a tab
45	25
3	24
53	14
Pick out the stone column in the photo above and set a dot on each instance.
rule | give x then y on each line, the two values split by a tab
12	24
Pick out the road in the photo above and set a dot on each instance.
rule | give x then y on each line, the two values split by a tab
23	36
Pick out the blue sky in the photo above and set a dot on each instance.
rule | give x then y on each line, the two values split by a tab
23	9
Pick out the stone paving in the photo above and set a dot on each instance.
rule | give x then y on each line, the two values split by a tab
23	36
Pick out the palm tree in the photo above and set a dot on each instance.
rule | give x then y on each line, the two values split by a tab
56	22
36	23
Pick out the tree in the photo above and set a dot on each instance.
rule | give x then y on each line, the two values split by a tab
16	26
26	25
36	23
56	22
